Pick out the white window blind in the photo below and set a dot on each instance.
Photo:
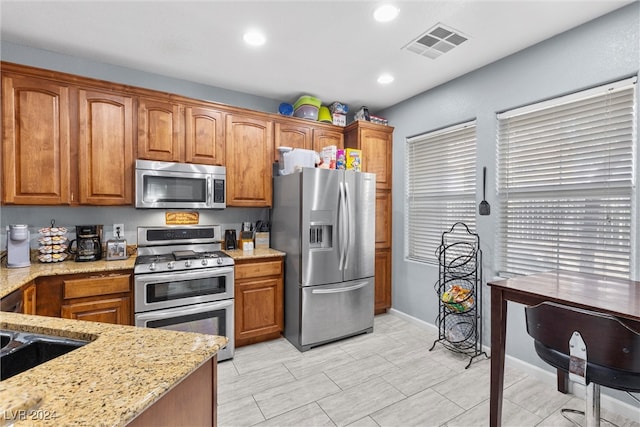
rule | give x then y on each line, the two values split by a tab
441	187
566	183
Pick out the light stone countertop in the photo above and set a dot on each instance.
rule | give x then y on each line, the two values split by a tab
239	254
109	381
13	278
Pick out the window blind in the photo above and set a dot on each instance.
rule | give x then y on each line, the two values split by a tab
566	183
441	187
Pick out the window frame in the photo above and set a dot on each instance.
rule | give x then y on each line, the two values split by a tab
427	230
587	190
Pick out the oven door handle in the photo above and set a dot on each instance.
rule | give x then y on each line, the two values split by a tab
183	275
183	311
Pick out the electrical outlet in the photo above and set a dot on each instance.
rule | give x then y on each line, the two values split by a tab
118	228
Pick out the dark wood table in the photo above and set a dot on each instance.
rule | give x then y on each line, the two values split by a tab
617	297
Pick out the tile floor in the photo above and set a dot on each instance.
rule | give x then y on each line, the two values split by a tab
386	378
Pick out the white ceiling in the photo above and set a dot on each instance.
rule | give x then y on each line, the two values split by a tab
331	49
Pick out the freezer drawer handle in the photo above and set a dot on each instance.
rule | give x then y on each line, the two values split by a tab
340	290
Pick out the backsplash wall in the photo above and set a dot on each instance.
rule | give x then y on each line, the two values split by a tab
40	216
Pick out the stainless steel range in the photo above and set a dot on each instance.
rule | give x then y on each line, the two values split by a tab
184	282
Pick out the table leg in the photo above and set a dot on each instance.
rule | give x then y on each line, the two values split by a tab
563	381
498	339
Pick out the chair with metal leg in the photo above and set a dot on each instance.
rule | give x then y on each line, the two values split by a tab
594	348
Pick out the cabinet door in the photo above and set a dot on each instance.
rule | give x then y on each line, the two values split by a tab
383	219
249	157
105	151
36	145
29	299
204	142
376	155
262	308
159	133
291	135
108	310
383	281
325	137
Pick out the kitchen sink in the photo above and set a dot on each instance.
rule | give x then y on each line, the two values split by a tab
22	351
4	339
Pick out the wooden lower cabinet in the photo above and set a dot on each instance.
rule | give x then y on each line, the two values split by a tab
383	281
112	310
259	300
193	402
29	299
98	297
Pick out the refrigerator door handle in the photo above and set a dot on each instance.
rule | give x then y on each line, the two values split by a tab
348	243
340	290
341	229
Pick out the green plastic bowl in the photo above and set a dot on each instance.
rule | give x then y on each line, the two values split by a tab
307	100
324	115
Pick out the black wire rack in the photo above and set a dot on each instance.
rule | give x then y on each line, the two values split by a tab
459	289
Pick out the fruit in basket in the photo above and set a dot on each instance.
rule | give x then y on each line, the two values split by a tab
458	299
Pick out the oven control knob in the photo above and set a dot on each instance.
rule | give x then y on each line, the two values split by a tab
152	266
205	261
170	265
187	263
219	261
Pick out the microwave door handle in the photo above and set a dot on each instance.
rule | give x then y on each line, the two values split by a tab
209	192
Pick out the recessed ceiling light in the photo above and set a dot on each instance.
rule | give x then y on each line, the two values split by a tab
385	13
254	38
385	79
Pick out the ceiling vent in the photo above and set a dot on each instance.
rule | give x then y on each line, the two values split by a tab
436	41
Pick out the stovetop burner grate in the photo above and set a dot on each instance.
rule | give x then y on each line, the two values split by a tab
179	256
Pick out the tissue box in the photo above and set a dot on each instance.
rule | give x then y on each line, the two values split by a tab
354	159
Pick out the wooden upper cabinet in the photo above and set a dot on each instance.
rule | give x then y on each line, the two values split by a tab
35	141
204	141
105	148
249	160
375	141
159	130
291	135
325	137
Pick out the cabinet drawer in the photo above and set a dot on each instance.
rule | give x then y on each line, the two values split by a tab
98	285
259	269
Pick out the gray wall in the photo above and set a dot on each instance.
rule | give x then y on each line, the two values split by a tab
595	53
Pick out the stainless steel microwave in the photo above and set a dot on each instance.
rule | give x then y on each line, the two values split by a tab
168	185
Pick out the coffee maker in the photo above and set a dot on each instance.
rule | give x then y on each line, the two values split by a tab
88	243
18	249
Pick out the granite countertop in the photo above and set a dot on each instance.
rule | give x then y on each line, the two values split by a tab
239	254
13	278
111	380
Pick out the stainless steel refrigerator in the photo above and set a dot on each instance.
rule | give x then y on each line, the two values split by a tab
325	222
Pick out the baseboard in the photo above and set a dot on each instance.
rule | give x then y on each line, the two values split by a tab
606	402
